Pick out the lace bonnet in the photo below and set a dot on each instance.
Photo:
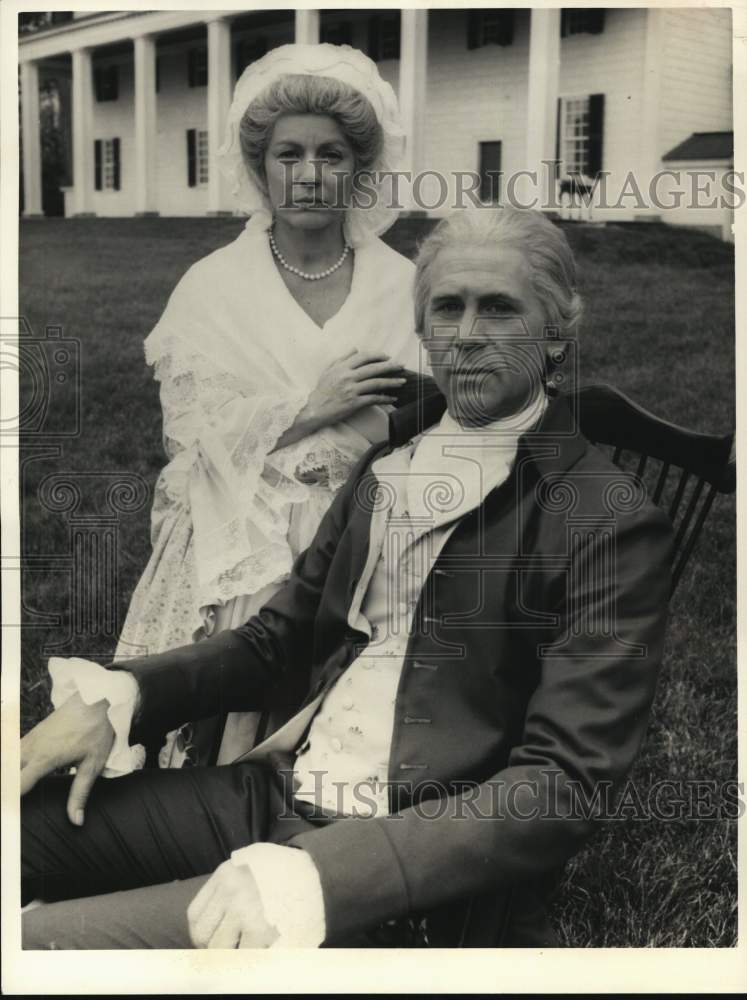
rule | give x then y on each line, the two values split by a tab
340	62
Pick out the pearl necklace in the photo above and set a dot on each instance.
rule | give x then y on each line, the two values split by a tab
305	274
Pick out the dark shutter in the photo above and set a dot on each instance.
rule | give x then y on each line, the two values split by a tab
473	29
196	67
246	51
558	122
97	164
158	73
337	34
117	167
373	37
576	21
596	134
345	33
490	172
191	157
106	83
506	28
596	21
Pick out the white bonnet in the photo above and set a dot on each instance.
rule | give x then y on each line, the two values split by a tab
340	62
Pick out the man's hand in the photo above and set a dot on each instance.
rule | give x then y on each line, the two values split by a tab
227	912
75	733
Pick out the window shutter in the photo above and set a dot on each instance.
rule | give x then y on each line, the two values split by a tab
158	73
337	34
596	133
246	51
117	166
506	28
558	122
97	164
596	21
373	37
473	29
191	157
345	30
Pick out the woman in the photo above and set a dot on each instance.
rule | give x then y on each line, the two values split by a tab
278	355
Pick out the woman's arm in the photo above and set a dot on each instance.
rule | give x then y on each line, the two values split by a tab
353	381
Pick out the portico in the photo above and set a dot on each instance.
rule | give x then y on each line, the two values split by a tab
131	175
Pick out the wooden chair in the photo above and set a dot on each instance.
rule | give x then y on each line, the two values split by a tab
682	471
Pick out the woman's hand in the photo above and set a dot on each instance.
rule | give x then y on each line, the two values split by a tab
355	380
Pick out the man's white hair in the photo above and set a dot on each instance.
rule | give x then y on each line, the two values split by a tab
553	269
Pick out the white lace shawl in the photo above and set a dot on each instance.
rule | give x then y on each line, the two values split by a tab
237	357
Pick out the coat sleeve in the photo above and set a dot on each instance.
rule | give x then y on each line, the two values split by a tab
584	724
238	669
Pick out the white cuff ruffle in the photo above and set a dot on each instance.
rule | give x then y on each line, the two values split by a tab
94	683
290	890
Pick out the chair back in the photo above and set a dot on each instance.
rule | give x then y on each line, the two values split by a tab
682	470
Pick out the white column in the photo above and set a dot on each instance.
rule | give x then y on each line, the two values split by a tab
82	102
542	97
412	89
31	141
220	89
145	125
307	27
650	152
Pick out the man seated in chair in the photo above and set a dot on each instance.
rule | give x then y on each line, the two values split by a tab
466	654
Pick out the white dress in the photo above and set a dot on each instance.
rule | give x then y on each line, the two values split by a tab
237	357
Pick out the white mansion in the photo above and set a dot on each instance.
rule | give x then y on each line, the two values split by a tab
142	98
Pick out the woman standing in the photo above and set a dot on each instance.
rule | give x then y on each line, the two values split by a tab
278	355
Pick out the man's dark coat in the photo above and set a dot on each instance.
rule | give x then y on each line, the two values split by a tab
525	690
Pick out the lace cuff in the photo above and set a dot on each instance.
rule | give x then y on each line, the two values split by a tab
290	890
95	683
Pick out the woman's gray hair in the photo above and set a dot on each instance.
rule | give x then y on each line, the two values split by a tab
301	94
543	244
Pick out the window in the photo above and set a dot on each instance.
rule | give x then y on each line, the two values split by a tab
490	27
581	20
248	50
574	149
106	83
580	130
107	164
383	36
337	34
490	172
197	157
197	67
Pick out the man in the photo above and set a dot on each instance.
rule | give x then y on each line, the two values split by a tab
466	654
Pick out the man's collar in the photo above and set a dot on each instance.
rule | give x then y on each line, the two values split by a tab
555	444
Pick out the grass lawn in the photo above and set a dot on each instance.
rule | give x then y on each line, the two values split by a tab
659	324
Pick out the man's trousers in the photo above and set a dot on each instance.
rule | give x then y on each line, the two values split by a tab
150	839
